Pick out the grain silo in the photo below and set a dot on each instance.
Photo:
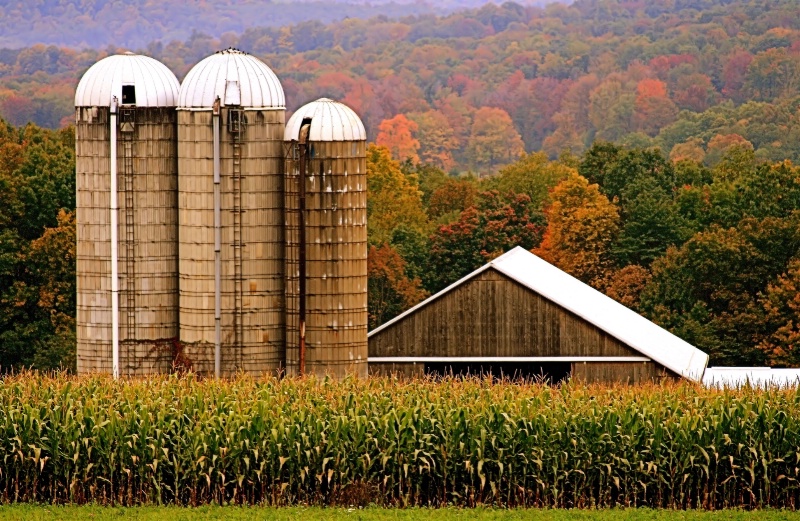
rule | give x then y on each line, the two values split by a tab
126	165
231	119
326	241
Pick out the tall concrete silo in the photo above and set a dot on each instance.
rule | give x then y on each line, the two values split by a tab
326	241
127	255
231	118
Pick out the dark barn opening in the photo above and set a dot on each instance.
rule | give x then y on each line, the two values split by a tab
550	372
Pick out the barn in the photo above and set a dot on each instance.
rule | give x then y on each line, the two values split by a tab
520	316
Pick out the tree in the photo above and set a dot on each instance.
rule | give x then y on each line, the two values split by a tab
493	140
495	225
651	223
773	73
391	198
690	150
781	307
707	291
719	145
652	109
626	285
390	291
397	134
533	175
581	227
614	168
734	74
452	198
436	137
611	108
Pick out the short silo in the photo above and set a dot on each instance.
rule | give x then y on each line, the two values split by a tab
127	249
326	241
231	119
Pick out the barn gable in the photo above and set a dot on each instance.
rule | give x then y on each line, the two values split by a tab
521	308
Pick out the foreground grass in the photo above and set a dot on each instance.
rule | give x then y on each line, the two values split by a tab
188	441
29	512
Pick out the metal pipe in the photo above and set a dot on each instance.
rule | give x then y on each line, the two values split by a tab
217	247
303	148
114	209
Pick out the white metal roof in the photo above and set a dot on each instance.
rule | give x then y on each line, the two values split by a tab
755	376
236	77
330	121
593	306
154	83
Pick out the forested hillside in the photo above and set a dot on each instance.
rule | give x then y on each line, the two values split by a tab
476	87
645	147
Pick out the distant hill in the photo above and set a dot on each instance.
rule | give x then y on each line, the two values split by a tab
692	77
135	23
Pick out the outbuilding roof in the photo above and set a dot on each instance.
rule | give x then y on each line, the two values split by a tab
755	376
591	305
330	121
154	83
236	77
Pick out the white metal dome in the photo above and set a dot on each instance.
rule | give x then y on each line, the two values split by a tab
330	121
236	77
154	84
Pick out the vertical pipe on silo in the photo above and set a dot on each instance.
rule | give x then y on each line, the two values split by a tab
114	208
217	247
301	212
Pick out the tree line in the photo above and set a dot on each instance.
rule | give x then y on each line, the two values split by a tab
710	253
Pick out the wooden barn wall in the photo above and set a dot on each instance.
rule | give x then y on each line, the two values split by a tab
620	372
147	241
336	260
493	315
252	293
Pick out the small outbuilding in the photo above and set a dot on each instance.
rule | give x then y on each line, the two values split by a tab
520	316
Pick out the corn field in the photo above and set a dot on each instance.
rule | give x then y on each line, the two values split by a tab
183	440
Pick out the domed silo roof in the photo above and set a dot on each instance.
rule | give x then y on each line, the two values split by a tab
153	83
236	77
330	121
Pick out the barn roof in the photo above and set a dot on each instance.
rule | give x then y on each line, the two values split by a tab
754	376
591	305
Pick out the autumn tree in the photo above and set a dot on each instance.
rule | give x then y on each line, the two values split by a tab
581	227
390	291
397	134
719	145
533	175
493	140
780	303
452	198
436	137
496	224
690	150
653	108
611	108
773	73
626	285
392	200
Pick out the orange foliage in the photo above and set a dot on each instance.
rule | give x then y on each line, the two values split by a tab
396	134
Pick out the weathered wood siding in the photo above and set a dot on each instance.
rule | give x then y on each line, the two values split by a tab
252	292
336	260
147	176
620	372
492	315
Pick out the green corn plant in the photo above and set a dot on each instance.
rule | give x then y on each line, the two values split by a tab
190	441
